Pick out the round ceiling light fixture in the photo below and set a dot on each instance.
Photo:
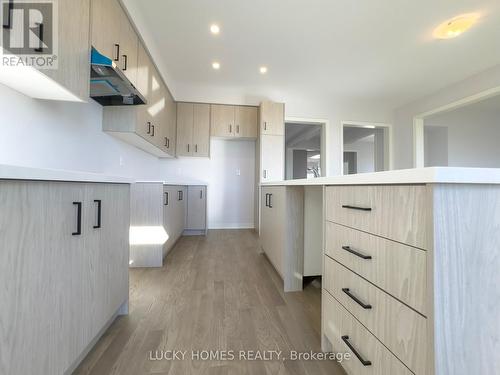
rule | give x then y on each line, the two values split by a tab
215	29
216	65
455	26
263	69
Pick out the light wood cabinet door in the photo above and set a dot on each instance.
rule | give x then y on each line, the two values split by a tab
144	73
129	44
271	158
246	122
272	118
105	27
196	208
171	123
201	130
222	120
185	118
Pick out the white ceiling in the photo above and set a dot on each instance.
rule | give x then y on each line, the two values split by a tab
380	50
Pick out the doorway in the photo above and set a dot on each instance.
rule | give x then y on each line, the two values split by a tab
304	149
365	147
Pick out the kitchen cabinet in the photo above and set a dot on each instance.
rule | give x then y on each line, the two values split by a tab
197	208
69	81
272	162
282	232
64	259
246	121
193	129
114	36
272	118
229	121
150	127
160	214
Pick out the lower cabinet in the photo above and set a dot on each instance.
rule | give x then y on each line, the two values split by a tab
197	209
282	232
159	215
63	270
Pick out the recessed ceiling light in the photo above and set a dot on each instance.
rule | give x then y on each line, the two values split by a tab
216	65
456	26
214	29
263	69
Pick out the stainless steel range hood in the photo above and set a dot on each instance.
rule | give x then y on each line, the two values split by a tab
109	85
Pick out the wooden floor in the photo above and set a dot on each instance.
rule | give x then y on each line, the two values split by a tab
215	293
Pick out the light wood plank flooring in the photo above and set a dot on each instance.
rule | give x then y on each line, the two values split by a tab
215	293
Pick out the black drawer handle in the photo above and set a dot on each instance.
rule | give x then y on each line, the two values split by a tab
356	208
345	339
117	53
99	205
267	199
180	195
363	256
165	200
356	299
78	219
125	62
270	201
152	130
149	127
166	142
201	194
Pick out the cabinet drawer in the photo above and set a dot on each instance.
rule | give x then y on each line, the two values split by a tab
339	325
399	328
397	212
398	269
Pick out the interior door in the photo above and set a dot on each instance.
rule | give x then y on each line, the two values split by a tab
185	117
201	130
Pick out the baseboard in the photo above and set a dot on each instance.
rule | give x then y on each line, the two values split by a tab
233	226
92	343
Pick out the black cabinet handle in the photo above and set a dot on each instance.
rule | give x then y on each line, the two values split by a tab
196	148
356	299
165	200
267	201
149	127
125	61
78	219
188	147
180	195
230	128
99	205
356	208
201	194
265	125
363	256
40	37
152	130
117	52
8	24
166	142
270	201
345	339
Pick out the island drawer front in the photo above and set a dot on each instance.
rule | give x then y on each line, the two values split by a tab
339	323
397	212
399	328
398	269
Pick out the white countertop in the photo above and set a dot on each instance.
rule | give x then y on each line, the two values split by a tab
188	182
11	172
434	175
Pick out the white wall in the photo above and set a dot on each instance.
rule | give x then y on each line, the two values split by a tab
403	116
366	155
64	135
230	196
473	136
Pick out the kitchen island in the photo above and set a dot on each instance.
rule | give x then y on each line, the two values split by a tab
411	262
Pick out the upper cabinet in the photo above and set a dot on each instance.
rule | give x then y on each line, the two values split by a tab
193	129
230	121
69	80
272	118
114	36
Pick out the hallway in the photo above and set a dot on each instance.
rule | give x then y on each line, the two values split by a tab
214	293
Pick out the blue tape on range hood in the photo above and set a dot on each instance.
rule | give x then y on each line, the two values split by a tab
97	58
